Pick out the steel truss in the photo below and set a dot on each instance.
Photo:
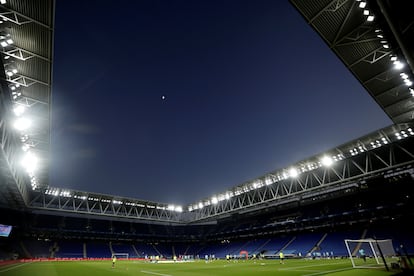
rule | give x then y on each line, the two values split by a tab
388	159
14	183
384	161
98	204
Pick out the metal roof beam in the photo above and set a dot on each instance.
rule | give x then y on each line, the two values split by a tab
24	80
19	19
22	54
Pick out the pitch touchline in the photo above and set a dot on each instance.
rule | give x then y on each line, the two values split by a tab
155	273
305	266
330	271
13	267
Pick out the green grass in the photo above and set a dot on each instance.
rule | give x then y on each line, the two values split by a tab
197	268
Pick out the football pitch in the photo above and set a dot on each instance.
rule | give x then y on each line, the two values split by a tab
337	267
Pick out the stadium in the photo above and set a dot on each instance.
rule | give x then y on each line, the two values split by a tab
346	211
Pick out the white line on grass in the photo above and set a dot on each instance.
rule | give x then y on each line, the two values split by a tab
305	266
154	273
329	271
13	267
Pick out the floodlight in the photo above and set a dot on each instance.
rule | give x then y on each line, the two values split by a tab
179	209
29	162
16	94
398	65
22	124
293	172
370	18
362	5
19	110
326	161
214	200
25	147
2	1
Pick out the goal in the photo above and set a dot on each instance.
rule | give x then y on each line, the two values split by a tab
370	253
121	256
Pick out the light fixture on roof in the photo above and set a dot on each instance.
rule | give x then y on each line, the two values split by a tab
362	4
5	40
293	172
16	94
22	124
3	2
326	161
398	65
11	72
30	162
13	87
19	109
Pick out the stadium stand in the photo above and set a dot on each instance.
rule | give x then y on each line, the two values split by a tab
368	192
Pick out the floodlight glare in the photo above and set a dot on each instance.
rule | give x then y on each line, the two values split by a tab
19	110
326	161
398	65
22	124
408	82
214	200
2	1
293	172
29	162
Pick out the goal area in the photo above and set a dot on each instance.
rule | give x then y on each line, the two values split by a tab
121	256
371	253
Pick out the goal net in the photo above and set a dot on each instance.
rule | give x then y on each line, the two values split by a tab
121	256
370	253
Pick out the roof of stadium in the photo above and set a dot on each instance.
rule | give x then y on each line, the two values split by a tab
371	38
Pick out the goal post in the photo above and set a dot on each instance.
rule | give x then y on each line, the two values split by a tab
121	256
370	253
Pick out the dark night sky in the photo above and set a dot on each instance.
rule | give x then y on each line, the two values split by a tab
249	88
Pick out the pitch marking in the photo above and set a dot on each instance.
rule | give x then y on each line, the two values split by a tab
13	267
154	273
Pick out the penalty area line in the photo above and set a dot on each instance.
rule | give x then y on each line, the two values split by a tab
154	273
